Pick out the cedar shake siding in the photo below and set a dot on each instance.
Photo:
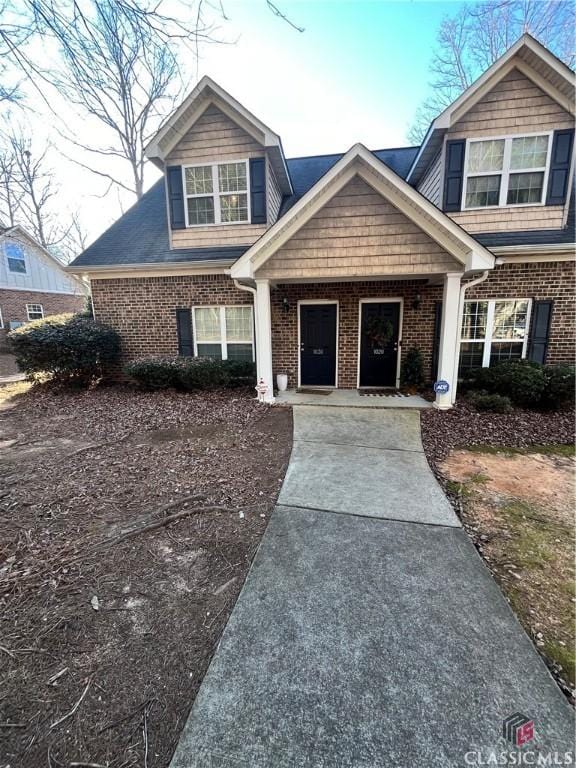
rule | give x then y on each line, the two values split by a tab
357	233
515	106
13	306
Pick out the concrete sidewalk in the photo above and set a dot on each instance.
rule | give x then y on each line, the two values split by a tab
360	641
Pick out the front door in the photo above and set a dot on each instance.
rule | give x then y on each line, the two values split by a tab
379	329
318	345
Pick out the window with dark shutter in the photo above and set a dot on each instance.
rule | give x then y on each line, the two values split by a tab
560	167
258	190
540	331
184	331
453	175
175	196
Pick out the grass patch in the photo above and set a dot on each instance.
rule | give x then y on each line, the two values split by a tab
551	449
564	656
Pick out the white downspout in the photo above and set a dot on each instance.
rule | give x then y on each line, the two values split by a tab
463	289
251	290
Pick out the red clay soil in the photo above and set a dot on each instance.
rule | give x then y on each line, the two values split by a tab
108	615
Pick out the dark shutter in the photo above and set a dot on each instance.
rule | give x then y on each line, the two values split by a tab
436	340
454	174
184	329
560	167
175	196
540	330
258	190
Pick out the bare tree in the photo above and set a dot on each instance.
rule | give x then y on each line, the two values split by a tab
478	34
10	192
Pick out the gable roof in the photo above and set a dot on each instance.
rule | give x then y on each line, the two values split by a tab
140	236
10	232
207	93
359	161
528	56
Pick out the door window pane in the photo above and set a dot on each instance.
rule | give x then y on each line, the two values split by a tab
485	156
529	152
525	188
238	323
200	210
510	320
207	324
198	180
482	191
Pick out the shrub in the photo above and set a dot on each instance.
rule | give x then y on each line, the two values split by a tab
483	401
560	386
412	374
522	381
189	373
70	348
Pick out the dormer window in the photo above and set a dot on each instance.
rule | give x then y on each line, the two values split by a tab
506	171
216	194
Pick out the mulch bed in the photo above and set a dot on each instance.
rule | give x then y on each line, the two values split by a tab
108	615
462	426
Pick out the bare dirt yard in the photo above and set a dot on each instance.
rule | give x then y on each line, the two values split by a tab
128	523
512	480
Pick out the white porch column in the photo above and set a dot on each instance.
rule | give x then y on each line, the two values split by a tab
447	362
264	337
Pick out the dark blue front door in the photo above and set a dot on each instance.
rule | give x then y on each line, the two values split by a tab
380	325
318	345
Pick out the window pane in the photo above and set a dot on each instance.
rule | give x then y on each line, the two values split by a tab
238	323
482	191
198	180
35	311
232	177
470	355
525	188
200	210
207	324
505	350
239	352
234	207
485	156
474	319
15	257
210	350
529	152
510	320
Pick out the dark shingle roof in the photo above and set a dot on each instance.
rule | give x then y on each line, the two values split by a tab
140	236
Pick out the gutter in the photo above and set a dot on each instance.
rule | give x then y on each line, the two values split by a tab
152	266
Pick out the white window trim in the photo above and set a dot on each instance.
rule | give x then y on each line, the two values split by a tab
215	194
30	319
223	340
1	319
11	271
506	172
488	340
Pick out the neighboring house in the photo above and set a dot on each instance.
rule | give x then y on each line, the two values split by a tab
33	283
330	268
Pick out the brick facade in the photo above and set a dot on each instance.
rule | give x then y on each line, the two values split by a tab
13	306
143	310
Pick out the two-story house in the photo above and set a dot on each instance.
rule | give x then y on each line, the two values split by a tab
330	268
33	283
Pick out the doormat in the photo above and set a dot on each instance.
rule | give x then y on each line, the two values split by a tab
314	391
381	393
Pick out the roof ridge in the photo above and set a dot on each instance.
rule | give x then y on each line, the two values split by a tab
341	154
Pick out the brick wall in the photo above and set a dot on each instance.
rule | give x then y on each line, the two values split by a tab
13	306
143	309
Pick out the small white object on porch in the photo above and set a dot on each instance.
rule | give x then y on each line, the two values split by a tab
264	338
447	358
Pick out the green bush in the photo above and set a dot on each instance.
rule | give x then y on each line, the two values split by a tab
483	401
189	373
70	348
560	386
412	374
522	381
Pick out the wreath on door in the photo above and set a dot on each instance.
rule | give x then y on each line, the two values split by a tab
378	331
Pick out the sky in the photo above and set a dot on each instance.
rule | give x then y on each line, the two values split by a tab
357	73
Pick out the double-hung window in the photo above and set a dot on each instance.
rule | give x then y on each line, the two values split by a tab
216	194
507	171
493	330
35	311
15	257
224	333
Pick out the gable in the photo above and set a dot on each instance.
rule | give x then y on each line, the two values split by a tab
358	232
42	272
214	136
514	105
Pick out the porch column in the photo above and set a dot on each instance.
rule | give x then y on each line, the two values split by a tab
447	362
264	337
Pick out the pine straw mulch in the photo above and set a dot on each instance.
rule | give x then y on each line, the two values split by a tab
128	521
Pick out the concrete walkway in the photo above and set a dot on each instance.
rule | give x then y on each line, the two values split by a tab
369	634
